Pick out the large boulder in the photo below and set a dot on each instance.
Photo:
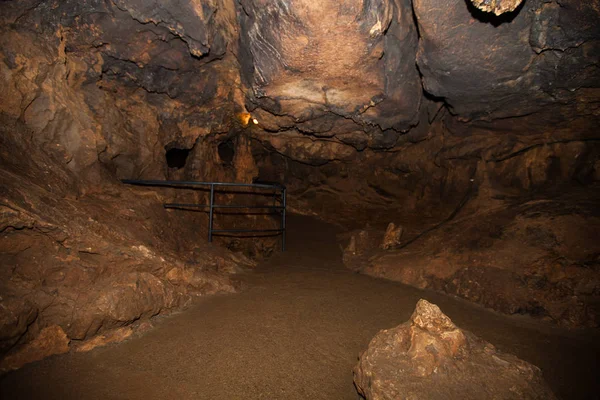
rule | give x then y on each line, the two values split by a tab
430	358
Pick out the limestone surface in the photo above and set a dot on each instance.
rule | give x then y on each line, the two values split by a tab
429	357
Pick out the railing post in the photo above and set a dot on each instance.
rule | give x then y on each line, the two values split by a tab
210	213
212	204
283	220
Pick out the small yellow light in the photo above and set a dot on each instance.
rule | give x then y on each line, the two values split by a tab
255	121
244	118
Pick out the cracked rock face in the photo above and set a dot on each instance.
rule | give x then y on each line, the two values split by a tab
429	357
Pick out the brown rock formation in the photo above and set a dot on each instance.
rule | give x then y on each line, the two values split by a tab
429	357
89	262
538	257
332	61
114	336
497	7
50	341
392	236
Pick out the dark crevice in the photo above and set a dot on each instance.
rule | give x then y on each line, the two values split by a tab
177	157
415	20
226	151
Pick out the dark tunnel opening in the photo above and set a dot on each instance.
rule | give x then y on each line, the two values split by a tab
177	158
226	151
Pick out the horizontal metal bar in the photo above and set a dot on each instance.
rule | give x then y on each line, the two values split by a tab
212	205
173	205
176	205
246	230
242	206
194	183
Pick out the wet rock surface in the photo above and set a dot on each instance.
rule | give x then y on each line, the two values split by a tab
429	357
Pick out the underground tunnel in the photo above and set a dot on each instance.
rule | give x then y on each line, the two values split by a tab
432	168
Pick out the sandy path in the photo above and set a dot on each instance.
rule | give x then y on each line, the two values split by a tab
293	333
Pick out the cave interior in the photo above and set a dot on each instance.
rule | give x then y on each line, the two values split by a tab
451	147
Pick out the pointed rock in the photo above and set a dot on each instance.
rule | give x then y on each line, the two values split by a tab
429	357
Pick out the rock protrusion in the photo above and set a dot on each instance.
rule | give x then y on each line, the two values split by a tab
392	236
497	7
51	340
429	357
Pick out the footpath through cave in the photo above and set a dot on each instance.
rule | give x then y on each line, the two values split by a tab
293	332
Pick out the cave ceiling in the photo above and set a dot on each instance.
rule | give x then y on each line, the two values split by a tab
325	60
325	79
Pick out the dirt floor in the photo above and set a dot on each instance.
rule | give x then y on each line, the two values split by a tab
294	332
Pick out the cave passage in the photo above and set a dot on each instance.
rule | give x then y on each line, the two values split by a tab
294	332
176	158
226	151
455	144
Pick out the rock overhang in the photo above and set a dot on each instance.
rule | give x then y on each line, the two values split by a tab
352	59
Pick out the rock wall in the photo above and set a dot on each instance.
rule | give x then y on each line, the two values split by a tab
500	67
535	256
87	263
117	82
123	82
91	92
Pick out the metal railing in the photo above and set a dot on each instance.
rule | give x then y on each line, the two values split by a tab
278	191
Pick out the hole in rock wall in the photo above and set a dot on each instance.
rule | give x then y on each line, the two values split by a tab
176	158
226	151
